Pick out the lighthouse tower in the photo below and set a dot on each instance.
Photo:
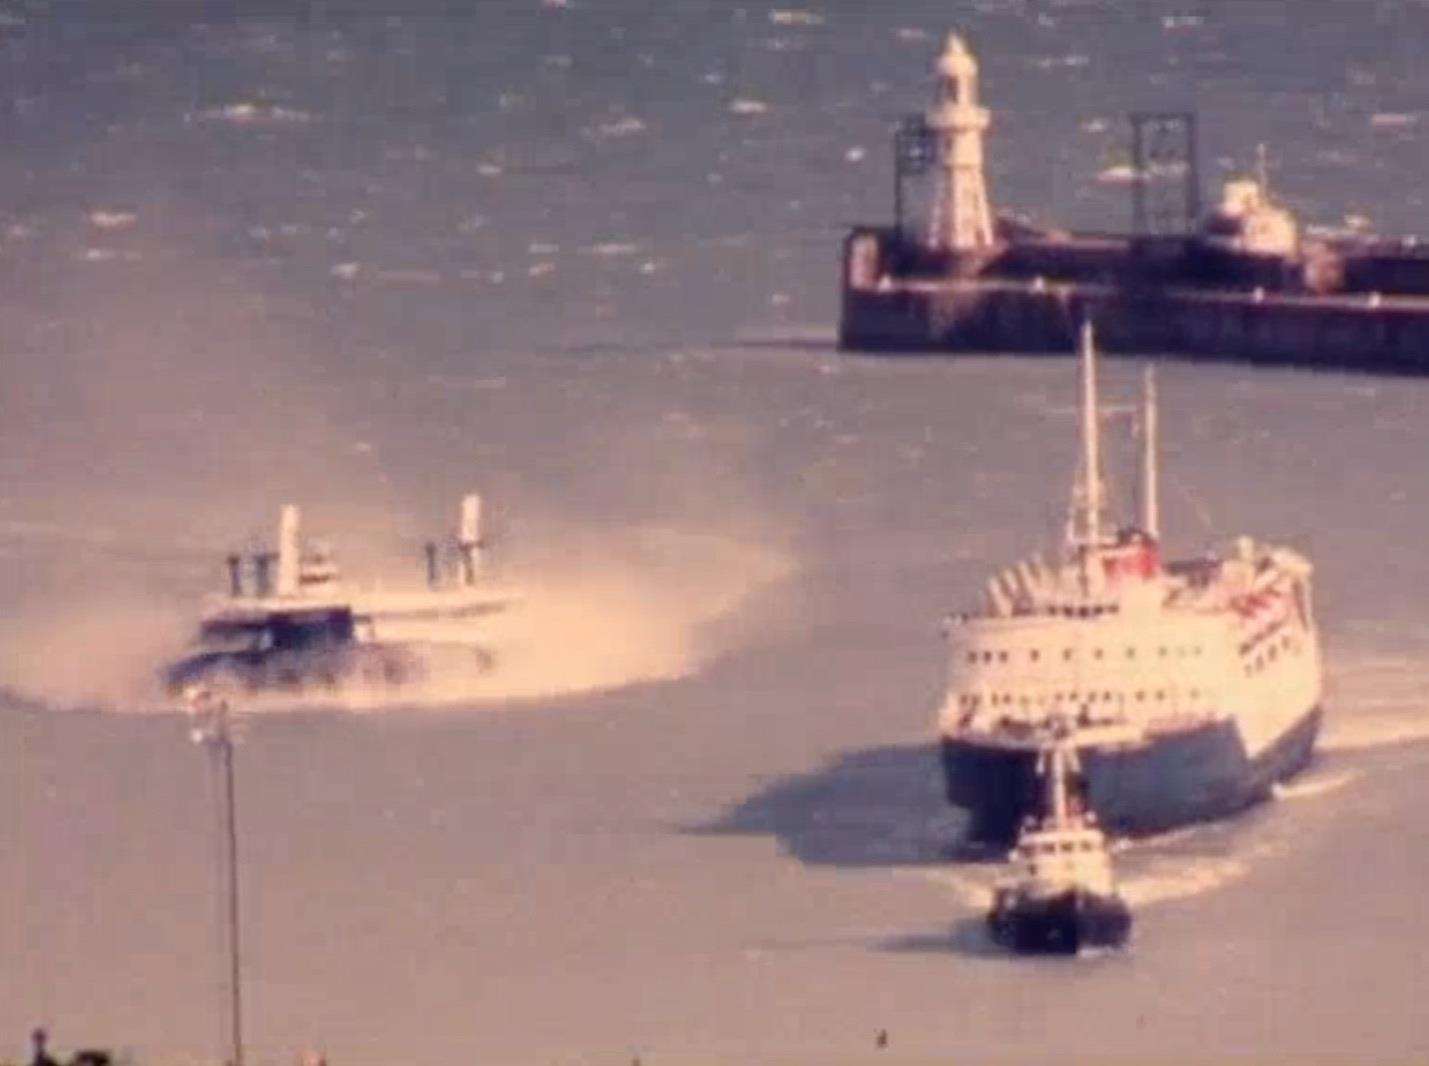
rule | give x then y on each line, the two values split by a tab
961	219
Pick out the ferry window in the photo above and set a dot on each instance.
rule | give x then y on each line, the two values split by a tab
972	656
1141	695
1161	652
1097	653
1161	695
1067	654
1035	655
1131	653
1106	696
987	656
1069	847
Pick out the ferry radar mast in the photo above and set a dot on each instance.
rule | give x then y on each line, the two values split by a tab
1084	520
1150	475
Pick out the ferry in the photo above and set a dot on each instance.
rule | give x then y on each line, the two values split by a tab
1191	686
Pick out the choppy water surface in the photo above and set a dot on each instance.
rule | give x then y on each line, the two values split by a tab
582	256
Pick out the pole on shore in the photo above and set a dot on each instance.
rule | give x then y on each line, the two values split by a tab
214	731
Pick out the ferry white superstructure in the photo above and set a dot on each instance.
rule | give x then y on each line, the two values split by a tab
1192	686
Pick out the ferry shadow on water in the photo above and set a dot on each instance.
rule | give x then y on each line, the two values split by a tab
880	806
869	808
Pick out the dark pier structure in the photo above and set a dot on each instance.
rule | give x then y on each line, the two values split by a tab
1240	281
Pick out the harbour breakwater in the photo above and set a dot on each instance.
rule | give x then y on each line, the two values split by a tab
1365	331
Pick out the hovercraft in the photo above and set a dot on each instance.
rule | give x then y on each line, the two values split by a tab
290	625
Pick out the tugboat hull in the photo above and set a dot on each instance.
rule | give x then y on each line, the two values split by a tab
1061	924
1196	776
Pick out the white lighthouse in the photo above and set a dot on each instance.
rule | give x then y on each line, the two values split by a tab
961	219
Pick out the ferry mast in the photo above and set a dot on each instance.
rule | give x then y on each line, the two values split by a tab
1150	477
1084	521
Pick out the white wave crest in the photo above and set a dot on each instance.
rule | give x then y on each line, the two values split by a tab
746	105
1364	731
1180	878
254	113
972	886
1313	785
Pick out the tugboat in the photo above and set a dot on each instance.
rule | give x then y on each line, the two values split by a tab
1062	897
1192	686
306	632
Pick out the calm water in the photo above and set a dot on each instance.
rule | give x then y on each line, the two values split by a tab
583	257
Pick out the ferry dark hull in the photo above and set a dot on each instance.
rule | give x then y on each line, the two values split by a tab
1196	776
1059	925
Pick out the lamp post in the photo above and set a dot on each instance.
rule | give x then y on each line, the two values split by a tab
213	730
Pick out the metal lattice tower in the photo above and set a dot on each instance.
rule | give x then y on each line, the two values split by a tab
1166	196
